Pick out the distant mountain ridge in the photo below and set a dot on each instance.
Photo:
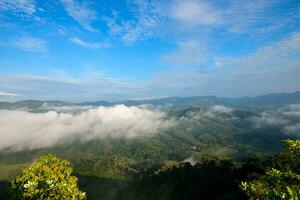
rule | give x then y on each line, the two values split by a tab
275	99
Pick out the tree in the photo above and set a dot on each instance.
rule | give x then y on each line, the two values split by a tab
48	178
278	183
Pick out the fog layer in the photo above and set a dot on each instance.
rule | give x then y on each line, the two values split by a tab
22	129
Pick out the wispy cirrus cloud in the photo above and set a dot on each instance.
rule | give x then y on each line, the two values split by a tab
184	28
25	6
188	53
274	67
250	17
83	87
259	17
187	18
81	13
30	44
27	43
144	23
96	45
152	19
274	56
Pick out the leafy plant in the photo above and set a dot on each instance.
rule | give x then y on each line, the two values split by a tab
277	183
48	178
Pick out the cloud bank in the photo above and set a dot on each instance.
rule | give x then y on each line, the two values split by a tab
21	129
287	118
203	117
50	125
25	130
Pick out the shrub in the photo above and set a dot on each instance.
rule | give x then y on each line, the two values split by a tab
277	183
48	178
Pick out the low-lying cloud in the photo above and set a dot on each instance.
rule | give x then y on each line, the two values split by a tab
287	118
203	117
26	130
50	125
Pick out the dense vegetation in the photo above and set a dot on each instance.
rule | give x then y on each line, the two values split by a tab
281	180
272	177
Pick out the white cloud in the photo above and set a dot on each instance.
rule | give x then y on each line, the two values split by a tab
178	19
293	110
269	119
24	130
278	52
258	17
200	117
275	60
255	17
25	6
191	53
193	12
221	109
85	44
8	94
148	98
30	44
84	87
145	22
62	109
287	118
273	67
81	13
293	129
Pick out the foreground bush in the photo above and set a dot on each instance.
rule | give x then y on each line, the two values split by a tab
278	183
49	178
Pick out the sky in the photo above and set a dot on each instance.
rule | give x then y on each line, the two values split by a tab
113	50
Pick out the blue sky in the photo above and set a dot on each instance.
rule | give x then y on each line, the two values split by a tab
93	50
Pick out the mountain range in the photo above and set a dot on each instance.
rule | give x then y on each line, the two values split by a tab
275	99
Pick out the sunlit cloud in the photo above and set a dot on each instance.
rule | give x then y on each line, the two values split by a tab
23	130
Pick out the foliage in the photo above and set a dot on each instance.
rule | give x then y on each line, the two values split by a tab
292	146
48	178
277	183
119	176
168	165
208	179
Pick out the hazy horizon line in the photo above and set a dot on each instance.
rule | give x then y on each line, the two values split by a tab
153	98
